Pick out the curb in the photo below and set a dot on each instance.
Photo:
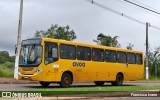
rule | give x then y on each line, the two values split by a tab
19	82
149	81
14	81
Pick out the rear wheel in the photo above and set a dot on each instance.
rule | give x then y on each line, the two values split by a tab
99	83
66	80
44	84
119	80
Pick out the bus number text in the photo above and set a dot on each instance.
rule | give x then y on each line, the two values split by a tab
78	64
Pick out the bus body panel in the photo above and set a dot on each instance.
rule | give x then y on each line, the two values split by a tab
82	70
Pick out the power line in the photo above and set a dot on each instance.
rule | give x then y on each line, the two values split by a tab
142	7
121	14
154	27
155	14
116	12
145	5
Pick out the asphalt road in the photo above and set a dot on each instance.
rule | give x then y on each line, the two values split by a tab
25	87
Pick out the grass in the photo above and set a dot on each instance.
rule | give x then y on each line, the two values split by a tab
6	72
154	78
151	78
87	90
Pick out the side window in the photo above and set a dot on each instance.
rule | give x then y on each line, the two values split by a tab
139	58
121	57
51	52
110	56
131	58
97	54
83	53
67	51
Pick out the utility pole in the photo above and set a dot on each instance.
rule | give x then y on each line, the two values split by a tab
18	41
92	1
147	69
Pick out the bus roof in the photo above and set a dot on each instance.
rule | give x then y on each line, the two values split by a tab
89	45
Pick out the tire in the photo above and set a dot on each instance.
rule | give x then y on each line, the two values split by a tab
44	84
66	80
119	80
99	83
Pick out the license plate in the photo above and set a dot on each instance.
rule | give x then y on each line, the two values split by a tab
25	77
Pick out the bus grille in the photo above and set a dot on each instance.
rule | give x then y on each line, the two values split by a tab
27	68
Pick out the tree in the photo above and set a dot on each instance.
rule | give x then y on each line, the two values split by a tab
57	32
4	53
154	61
107	40
6	64
130	46
4	57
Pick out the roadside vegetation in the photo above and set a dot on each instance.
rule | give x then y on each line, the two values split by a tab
6	64
87	90
154	63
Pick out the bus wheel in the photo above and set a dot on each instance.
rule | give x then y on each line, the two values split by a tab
44	84
99	83
66	80
119	80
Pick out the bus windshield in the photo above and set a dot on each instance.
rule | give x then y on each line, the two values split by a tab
30	55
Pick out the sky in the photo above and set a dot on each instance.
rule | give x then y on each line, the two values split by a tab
86	19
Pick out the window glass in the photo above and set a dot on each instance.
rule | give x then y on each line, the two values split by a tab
83	53
30	55
139	58
110	56
131	58
67	51
51	52
97	55
121	57
36	41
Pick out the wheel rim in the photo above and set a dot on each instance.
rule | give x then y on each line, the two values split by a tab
119	80
66	81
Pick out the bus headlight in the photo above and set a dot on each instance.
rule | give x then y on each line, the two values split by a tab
19	72
38	71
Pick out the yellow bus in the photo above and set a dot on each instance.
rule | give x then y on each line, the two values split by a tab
59	61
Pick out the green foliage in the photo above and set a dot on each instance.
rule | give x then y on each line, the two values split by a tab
154	62
6	64
57	32
130	46
4	57
12	59
86	90
6	72
158	74
9	65
1	73
107	40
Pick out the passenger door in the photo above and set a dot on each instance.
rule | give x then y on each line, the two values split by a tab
50	56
